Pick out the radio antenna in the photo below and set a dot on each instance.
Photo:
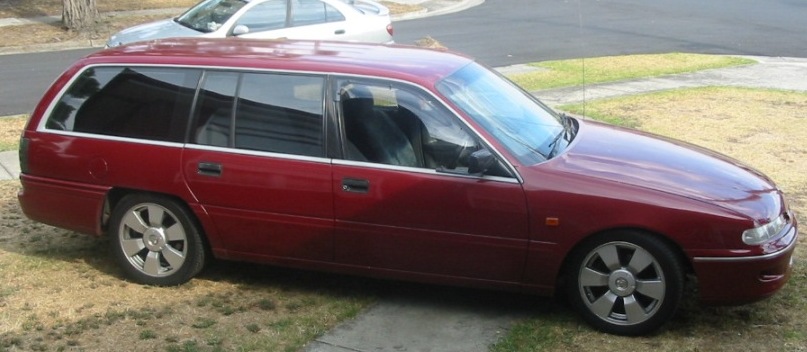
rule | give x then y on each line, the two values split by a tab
583	59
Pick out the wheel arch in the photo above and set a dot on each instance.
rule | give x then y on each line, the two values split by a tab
116	194
562	274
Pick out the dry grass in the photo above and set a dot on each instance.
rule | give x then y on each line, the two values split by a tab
35	8
397	8
429	42
10	131
54	33
765	129
60	290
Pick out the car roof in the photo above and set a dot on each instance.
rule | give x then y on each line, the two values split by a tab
421	65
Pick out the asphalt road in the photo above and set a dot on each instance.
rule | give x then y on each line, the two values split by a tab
504	32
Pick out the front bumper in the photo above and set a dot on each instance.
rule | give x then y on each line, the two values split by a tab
739	280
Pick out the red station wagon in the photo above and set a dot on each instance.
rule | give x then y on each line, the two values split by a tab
395	162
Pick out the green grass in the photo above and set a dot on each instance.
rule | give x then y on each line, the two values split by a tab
575	72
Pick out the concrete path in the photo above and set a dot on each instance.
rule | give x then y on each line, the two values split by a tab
9	165
770	72
429	318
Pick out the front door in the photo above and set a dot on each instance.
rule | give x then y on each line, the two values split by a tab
404	200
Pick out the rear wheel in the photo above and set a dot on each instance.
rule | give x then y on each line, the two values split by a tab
625	283
155	240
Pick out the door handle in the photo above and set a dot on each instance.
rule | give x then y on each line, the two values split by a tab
355	185
339	32
209	169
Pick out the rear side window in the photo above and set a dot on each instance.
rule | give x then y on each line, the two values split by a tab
308	12
263	112
134	102
265	16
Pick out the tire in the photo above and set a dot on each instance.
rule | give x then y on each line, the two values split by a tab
625	283
155	240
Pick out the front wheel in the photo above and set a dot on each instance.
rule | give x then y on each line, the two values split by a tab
625	283
155	240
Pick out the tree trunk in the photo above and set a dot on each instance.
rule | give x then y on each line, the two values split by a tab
79	14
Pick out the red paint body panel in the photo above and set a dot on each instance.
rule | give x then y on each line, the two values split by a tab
266	205
431	223
80	204
414	224
724	281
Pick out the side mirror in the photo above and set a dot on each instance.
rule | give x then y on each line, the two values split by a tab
240	29
480	161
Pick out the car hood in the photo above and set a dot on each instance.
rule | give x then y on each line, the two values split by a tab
154	30
652	162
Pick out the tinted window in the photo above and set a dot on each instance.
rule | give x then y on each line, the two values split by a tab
136	102
215	108
273	113
401	126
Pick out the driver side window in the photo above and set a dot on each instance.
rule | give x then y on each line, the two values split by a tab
404	127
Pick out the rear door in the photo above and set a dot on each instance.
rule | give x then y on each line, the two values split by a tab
404	200
256	164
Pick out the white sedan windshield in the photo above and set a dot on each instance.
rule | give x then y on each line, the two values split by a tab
527	128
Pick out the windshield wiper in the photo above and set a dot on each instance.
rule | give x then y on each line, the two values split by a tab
567	130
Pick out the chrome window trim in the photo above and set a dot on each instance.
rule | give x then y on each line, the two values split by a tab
46	115
237	151
420	170
442	101
115	138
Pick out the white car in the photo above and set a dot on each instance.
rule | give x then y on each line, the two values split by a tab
344	20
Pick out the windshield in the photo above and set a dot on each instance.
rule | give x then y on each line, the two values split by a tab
209	15
528	129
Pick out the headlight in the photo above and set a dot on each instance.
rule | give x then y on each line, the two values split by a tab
762	234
